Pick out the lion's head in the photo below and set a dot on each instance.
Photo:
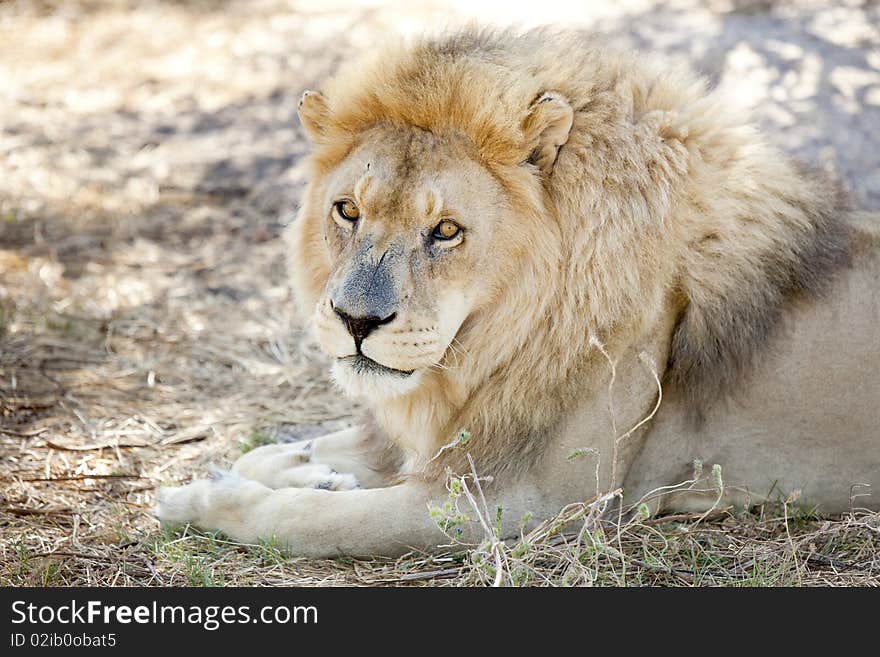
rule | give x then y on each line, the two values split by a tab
409	231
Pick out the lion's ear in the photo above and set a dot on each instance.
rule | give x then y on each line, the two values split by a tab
546	128
313	114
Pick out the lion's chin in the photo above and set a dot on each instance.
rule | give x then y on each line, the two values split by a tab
359	376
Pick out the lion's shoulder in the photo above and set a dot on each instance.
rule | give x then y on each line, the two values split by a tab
744	274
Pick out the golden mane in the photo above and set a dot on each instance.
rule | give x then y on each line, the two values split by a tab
438	86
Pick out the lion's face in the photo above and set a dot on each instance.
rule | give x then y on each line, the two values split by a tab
409	221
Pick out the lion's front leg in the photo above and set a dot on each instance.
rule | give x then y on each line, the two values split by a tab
352	458
307	522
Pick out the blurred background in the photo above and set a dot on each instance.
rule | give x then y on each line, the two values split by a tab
149	159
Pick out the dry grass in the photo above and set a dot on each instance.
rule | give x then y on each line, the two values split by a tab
596	543
145	326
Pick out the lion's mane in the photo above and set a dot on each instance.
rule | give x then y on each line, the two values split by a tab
664	201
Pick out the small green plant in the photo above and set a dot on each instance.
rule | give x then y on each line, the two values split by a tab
462	438
24	559
801	518
256	439
580	452
447	517
268	552
197	573
51	574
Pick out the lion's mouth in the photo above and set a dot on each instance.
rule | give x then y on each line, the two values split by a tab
363	365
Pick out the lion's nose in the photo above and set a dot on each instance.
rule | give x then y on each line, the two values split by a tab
361	327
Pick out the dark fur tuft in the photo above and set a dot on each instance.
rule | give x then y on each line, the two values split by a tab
716	344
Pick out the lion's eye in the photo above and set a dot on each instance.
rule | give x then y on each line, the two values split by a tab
446	230
347	210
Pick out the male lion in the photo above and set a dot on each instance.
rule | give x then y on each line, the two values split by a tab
589	264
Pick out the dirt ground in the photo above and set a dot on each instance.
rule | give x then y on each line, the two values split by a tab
149	160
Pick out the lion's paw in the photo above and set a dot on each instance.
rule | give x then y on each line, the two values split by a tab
223	501
310	475
181	505
315	475
289	466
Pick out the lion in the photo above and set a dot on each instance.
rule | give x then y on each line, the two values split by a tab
571	270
